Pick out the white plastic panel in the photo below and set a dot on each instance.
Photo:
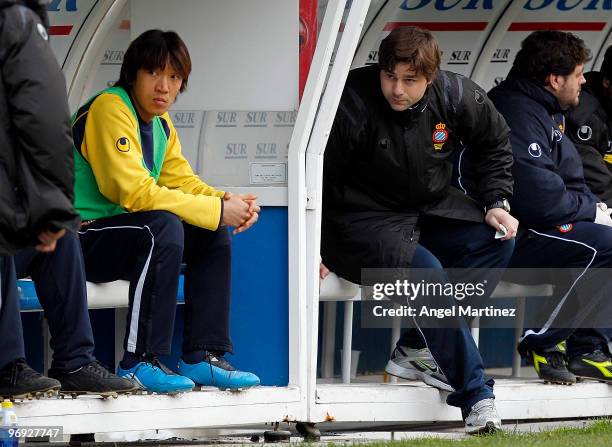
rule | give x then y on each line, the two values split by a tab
66	18
589	19
108	60
461	27
253	151
246	148
598	57
251	63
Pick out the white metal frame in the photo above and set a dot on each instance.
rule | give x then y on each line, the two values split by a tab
209	407
313	159
303	399
409	401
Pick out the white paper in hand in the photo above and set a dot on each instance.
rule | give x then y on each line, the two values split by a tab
501	232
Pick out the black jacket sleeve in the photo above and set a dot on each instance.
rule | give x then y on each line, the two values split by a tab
40	121
483	129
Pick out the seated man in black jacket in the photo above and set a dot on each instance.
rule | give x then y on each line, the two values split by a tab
565	225
589	126
36	192
388	203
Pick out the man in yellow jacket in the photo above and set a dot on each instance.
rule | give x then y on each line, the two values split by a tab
145	212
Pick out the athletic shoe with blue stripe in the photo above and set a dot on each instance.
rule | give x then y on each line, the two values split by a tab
153	376
216	371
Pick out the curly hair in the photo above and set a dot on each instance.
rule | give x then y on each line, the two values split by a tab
411	45
548	52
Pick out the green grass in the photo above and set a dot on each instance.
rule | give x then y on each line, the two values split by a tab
598	434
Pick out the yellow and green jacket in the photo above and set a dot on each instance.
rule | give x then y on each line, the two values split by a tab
125	165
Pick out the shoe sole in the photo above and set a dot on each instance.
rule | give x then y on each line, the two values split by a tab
558	382
103	394
46	393
233	390
488	429
596	379
412	374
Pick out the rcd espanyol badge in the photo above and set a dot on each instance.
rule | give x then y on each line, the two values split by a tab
439	136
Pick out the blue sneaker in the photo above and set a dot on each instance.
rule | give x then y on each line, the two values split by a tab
216	371
153	376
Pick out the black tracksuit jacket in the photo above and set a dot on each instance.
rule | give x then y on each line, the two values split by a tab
590	128
36	165
383	169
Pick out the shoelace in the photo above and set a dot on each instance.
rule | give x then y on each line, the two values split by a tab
155	363
220	362
209	358
485	404
98	369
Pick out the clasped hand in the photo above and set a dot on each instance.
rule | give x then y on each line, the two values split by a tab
240	211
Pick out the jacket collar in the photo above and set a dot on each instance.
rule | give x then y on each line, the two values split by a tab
515	81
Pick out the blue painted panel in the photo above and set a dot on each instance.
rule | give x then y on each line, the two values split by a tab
260	310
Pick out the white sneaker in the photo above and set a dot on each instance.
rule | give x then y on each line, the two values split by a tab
483	418
417	364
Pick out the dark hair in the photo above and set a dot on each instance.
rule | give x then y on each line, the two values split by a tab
411	45
547	52
152	50
606	65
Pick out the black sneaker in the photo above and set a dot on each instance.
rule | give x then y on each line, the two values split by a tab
595	365
550	365
19	381
93	378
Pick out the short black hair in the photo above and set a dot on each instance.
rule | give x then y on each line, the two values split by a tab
152	50
547	52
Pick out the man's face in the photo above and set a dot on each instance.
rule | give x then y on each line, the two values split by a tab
154	91
568	89
402	87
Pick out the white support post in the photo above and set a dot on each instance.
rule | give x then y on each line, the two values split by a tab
347	342
303	313
314	160
328	342
314	163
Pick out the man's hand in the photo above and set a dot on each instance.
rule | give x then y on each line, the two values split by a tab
498	216
602	215
323	271
48	240
253	210
235	211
